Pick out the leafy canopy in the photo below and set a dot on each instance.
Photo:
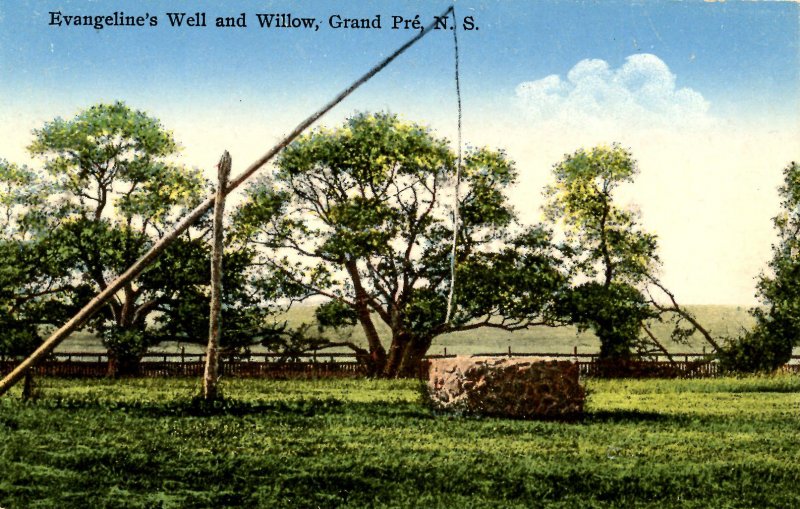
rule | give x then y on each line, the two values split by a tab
606	237
107	191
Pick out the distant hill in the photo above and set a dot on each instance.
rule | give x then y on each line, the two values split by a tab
720	320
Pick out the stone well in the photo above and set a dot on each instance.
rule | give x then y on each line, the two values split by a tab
524	388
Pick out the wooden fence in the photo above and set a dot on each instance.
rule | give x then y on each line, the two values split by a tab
344	365
229	368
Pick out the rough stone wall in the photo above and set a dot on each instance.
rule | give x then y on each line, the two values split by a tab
522	388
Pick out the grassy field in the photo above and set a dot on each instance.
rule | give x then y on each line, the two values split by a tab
361	443
720	320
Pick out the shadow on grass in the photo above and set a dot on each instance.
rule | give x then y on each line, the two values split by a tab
197	407
373	411
613	416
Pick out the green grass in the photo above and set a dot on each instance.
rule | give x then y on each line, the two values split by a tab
720	320
360	443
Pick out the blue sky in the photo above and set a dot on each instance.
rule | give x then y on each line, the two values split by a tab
740	55
706	94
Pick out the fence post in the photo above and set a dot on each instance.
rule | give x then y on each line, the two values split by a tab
509	350
183	354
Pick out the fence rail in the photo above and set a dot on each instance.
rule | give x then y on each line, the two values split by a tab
234	368
333	356
342	365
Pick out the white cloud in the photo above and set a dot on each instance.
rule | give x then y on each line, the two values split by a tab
640	94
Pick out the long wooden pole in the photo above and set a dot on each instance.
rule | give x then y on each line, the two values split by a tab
210	375
103	297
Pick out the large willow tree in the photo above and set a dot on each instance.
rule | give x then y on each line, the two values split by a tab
362	216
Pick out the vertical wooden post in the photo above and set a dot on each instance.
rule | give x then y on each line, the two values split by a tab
210	376
27	386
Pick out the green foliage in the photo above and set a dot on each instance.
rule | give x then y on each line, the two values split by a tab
334	314
35	290
247	299
777	330
759	350
606	238
126	346
23	195
614	313
371	443
519	281
115	193
110	155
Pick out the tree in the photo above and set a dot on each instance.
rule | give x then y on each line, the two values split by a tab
34	292
114	192
613	259
769	344
609	249
360	215
614	312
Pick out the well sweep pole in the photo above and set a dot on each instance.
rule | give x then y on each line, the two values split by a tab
142	263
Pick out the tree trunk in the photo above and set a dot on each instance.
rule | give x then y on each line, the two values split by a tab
28	386
112	366
376	350
614	350
122	365
211	374
413	357
609	266
397	351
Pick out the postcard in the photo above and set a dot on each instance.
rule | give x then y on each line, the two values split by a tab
578	193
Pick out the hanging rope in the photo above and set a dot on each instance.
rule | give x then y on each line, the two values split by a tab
456	197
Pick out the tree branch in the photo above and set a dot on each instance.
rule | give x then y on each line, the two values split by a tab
677	309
